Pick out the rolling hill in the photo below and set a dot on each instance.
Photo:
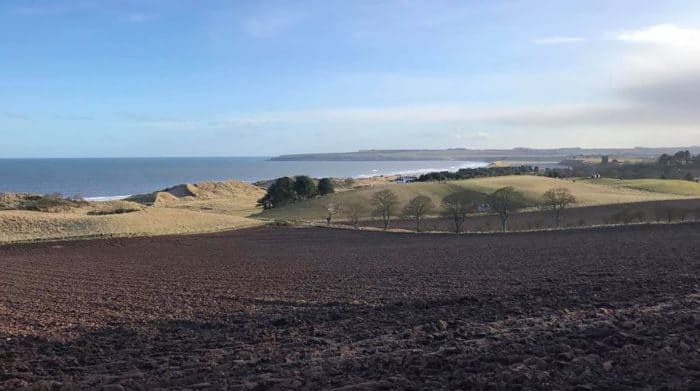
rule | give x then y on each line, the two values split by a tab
587	192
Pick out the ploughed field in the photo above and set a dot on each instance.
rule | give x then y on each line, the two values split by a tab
313	308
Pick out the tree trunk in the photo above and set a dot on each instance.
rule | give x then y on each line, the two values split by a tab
417	224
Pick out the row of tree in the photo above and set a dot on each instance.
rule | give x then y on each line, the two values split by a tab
680	158
286	190
679	165
457	206
481	172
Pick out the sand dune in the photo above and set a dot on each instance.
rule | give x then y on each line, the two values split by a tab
188	208
229	190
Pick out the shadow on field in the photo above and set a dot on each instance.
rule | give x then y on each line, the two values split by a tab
528	338
612	308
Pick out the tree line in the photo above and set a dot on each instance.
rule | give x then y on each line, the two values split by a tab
457	206
679	165
481	172
285	190
679	159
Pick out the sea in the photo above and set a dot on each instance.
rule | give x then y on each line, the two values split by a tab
114	178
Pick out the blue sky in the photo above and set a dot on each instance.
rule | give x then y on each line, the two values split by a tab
234	78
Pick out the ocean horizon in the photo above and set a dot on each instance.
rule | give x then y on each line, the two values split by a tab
110	178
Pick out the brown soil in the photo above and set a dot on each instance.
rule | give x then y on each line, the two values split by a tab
280	308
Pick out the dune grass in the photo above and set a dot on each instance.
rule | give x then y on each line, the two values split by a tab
27	226
212	206
587	193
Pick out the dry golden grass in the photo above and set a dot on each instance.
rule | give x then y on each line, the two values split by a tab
207	207
587	192
29	226
666	186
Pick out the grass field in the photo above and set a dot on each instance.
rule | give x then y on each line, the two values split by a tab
678	187
587	192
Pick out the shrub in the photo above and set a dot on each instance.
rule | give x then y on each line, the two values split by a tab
325	186
628	216
305	187
281	223
281	192
117	211
54	202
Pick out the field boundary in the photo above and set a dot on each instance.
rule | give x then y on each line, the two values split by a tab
123	236
599	227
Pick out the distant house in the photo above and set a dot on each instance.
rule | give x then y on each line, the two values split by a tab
405	179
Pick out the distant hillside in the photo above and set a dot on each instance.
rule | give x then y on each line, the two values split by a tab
588	193
461	154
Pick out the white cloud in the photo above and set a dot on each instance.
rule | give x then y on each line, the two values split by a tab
652	98
557	40
660	68
662	34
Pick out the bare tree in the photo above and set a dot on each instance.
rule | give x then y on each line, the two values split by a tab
385	204
354	212
333	208
505	202
557	200
457	206
417	208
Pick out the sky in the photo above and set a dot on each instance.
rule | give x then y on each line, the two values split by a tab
125	78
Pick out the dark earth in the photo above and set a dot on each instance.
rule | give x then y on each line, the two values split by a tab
313	308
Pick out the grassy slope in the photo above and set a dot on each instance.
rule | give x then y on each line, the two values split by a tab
25	225
668	186
588	192
190	215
